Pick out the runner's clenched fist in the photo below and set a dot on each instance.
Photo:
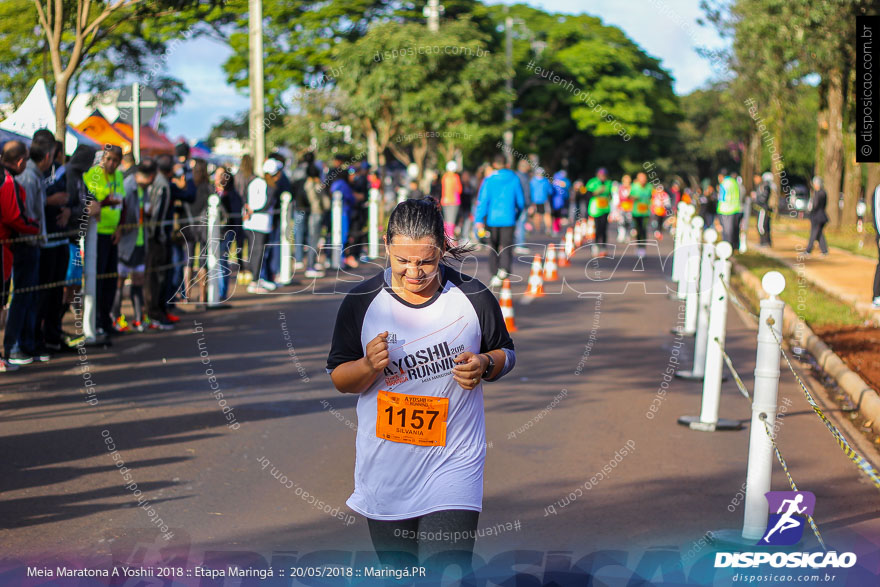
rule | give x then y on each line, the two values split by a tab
377	352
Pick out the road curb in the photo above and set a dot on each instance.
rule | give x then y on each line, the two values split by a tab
863	396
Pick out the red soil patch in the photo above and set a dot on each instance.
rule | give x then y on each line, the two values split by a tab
859	347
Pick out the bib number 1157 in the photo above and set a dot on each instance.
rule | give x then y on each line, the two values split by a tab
412	419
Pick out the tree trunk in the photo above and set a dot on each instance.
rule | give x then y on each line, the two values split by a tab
873	182
852	184
748	168
777	165
61	82
420	152
834	146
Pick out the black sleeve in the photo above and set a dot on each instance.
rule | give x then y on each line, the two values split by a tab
492	326
346	343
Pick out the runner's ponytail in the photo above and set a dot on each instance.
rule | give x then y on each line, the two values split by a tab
417	219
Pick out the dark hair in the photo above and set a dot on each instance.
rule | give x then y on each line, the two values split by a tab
723	172
417	219
41	147
59	148
309	157
44	134
146	167
165	164
13	151
499	159
115	149
181	150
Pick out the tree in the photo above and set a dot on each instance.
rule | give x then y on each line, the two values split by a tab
410	96
89	42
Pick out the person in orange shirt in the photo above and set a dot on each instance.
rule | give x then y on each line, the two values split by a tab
450	198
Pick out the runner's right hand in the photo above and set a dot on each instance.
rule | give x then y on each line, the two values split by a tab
377	352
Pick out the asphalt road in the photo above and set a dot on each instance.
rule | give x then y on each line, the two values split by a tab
590	362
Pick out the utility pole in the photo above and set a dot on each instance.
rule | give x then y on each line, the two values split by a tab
255	69
508	84
432	12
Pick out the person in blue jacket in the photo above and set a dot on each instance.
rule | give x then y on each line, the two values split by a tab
499	203
341	184
559	199
540	208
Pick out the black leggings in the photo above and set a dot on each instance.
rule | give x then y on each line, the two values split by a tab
601	224
403	543
639	222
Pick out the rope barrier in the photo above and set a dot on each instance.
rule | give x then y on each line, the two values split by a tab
848	450
736	301
67	282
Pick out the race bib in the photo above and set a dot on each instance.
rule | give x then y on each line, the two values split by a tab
601	203
412	419
626	205
642	208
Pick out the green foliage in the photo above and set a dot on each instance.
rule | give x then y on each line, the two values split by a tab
129	45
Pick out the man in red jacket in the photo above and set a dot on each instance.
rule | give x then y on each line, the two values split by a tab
14	222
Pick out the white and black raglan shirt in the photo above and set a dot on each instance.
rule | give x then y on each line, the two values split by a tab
397	479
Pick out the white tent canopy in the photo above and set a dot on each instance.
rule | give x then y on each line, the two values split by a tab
37	112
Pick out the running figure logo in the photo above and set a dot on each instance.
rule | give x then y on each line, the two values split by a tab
786	526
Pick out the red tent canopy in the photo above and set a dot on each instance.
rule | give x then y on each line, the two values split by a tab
152	143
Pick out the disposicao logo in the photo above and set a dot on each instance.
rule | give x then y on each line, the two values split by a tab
785	527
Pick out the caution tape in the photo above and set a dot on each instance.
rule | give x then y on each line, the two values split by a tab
790	480
67	282
848	450
763	417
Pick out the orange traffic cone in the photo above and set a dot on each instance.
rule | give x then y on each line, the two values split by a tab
506	303
550	273
578	234
536	284
590	230
563	256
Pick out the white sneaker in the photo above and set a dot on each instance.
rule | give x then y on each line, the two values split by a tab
495	282
876	303
255	287
299	265
268	285
312	273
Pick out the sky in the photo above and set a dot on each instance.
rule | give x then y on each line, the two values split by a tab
665	29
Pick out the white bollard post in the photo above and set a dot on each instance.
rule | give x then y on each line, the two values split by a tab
763	408
401	194
213	250
681	220
336	230
89	246
693	276
373	218
707	272
708	420
687	243
286	250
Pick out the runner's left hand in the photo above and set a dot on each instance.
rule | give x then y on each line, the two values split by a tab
469	369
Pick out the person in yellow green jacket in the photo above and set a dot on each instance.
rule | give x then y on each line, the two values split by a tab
598	207
105	181
729	208
640	193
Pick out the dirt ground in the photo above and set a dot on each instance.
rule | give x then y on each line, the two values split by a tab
859	347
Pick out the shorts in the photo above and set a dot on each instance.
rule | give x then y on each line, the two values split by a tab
540	208
134	264
75	264
558	213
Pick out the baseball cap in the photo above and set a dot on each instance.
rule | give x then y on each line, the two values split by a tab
272	166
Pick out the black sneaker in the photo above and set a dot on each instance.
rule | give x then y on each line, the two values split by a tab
54	346
20	358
